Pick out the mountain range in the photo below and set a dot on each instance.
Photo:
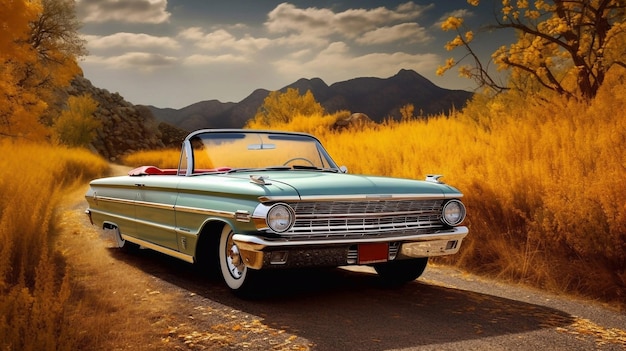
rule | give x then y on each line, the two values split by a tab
378	98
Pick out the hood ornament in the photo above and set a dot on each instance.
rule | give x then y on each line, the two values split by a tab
261	180
434	178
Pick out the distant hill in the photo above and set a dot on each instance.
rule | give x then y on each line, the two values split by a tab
378	98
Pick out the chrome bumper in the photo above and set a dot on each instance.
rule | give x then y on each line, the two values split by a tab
258	252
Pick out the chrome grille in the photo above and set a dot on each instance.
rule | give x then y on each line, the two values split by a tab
364	219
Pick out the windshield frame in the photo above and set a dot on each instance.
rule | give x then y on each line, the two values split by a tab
188	158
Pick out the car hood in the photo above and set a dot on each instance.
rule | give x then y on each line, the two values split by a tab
313	184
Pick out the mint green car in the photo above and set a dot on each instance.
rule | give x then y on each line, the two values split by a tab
259	200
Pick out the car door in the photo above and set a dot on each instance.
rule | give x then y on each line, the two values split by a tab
154	210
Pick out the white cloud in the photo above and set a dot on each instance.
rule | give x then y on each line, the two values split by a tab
349	24
411	32
132	11
142	61
336	63
130	40
221	40
202	60
287	17
296	41
193	34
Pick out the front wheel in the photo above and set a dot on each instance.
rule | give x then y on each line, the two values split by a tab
235	273
401	271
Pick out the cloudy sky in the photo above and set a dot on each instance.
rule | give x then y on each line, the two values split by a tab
173	53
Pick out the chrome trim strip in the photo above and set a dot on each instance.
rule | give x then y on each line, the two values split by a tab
156	205
278	198
127	218
114	200
165	250
163	206
244	216
359	197
204	211
256	243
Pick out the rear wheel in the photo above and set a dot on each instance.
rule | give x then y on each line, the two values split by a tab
401	271
234	271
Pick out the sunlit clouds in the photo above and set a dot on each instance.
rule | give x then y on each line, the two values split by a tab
133	11
349	24
130	40
146	62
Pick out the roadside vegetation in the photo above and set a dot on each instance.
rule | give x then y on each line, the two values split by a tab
35	281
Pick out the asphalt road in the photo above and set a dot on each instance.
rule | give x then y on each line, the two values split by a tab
349	309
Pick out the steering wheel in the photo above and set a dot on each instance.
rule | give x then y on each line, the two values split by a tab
299	159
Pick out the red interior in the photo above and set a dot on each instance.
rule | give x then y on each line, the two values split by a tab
152	170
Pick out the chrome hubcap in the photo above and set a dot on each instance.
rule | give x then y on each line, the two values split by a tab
233	260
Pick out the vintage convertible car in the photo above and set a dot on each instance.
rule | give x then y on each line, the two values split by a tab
256	200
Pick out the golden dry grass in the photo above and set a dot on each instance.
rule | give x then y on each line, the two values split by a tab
34	282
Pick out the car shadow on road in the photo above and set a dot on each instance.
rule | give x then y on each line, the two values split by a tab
341	309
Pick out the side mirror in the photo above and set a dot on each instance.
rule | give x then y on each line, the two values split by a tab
343	169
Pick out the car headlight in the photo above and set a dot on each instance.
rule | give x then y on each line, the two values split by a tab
453	212
280	218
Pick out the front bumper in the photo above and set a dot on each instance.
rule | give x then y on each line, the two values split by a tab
260	253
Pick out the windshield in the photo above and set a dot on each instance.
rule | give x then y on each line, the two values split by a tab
232	150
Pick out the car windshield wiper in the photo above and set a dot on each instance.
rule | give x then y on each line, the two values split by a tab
314	168
277	168
282	168
272	168
235	170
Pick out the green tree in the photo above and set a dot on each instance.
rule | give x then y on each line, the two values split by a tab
282	107
76	125
566	46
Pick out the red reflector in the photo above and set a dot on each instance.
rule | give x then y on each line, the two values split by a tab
373	253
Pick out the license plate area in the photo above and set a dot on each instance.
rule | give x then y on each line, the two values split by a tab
373	253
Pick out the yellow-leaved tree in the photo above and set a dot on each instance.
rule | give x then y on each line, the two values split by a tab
565	46
76	125
279	107
15	105
38	53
